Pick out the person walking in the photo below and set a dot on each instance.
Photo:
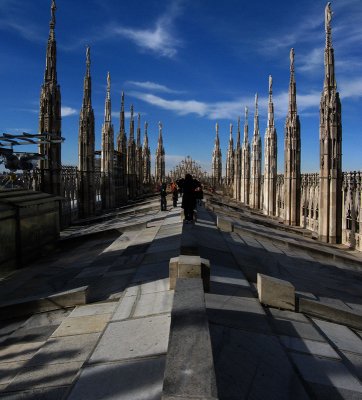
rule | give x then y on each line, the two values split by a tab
174	195
163	192
188	197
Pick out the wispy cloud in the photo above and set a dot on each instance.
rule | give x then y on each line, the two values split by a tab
160	38
68	111
14	18
152	86
351	88
230	110
127	114
312	61
181	107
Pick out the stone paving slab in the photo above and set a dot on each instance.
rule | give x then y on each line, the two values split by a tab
336	311
125	308
154	303
236	312
28	335
94	309
152	271
19	352
251	365
142	337
296	329
309	347
131	380
287	315
42	376
65	349
9	370
82	325
341	336
329	373
52	393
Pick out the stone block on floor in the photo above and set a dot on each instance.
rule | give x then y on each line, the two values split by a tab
224	224
275	292
187	266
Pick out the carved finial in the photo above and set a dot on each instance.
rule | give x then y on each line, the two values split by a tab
291	55
256	103
160	126
246	114
139	119
122	98
239	124
146	127
231	129
328	17
217	128
132	110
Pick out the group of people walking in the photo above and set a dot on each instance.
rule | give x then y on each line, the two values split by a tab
191	191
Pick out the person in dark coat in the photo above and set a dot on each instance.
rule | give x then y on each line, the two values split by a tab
174	195
189	198
163	197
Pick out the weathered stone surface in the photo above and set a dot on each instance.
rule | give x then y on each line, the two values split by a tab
224	224
189	363
309	347
275	292
296	329
9	370
189	266
331	312
29	306
65	349
19	352
50	393
81	325
124	308
251	365
154	303
42	376
341	336
133	338
94	309
130	380
330	373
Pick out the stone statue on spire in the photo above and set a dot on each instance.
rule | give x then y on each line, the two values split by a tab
88	55
291	55
270	84
108	82
53	9
328	16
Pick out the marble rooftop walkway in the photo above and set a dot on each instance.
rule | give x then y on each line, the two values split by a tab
115	346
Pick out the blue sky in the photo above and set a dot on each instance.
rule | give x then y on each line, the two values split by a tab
187	63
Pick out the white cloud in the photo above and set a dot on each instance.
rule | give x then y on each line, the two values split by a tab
158	39
312	61
350	88
68	111
230	110
181	107
152	86
127	114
